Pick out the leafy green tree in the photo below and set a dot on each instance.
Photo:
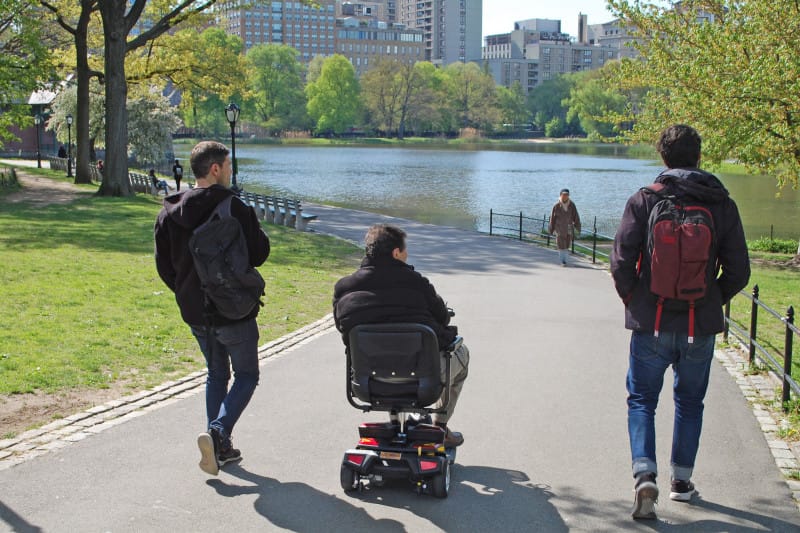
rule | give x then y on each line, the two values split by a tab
427	109
733	77
513	104
592	99
333	98
24	62
381	89
75	19
206	68
471	95
276	88
546	102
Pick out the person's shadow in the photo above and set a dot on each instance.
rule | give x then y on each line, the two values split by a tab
300	507
481	498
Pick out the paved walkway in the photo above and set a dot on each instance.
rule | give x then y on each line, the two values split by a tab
543	413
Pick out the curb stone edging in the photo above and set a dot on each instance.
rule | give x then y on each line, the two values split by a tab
60	433
759	391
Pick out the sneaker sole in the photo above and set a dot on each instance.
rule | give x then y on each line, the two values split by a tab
644	504
208	461
682	496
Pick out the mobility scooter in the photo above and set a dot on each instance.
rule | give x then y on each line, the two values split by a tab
397	367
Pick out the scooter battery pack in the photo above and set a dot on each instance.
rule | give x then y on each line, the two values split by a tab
426	433
385	430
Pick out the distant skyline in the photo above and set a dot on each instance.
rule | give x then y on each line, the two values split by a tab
499	15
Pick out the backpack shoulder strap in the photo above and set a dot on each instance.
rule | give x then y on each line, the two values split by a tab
224	207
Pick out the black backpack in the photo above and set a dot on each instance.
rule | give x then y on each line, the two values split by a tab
681	245
219	250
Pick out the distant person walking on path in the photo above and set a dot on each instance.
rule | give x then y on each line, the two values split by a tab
387	289
177	174
62	152
224	342
682	235
564	220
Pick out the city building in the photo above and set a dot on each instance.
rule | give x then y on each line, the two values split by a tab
536	51
363	41
452	28
308	29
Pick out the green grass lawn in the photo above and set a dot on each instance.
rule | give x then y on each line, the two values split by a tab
779	288
83	306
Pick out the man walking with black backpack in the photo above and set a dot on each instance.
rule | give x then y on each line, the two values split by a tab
225	341
679	255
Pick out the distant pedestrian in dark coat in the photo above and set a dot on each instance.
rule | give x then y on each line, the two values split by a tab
177	173
563	220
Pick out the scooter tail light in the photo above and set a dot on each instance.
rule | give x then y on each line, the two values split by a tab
368	441
428	465
356	458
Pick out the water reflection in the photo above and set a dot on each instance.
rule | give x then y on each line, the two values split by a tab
458	187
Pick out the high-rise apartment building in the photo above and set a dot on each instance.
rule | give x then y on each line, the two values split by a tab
537	51
365	41
309	29
452	28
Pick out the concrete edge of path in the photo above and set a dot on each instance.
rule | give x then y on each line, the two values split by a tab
63	432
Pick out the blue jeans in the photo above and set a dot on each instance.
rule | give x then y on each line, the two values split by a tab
233	345
691	364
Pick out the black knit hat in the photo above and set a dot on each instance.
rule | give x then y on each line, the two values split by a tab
564	191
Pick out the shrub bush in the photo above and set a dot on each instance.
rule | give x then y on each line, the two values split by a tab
775	246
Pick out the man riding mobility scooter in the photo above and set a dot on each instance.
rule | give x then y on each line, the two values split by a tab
397	367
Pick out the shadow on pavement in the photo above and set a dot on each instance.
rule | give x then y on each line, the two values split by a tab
481	498
15	521
617	515
300	507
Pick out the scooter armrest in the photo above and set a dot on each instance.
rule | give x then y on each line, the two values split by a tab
455	345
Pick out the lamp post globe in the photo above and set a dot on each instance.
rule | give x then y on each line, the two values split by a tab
38	121
69	146
232	114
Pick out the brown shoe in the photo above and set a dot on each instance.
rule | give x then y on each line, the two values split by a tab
453	439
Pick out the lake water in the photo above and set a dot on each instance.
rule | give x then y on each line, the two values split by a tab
458	187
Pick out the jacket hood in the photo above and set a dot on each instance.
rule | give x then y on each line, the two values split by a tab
190	208
695	183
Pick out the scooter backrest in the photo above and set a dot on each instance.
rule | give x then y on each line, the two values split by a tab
395	363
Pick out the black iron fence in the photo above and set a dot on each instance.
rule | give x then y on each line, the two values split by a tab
592	243
780	364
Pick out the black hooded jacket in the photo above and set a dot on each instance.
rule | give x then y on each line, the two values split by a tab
630	244
388	290
181	214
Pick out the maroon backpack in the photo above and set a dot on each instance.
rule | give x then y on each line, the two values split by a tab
681	244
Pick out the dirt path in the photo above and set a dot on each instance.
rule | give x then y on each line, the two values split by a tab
43	191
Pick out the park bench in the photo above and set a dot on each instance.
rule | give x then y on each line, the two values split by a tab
277	210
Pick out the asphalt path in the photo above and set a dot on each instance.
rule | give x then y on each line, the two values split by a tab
543	414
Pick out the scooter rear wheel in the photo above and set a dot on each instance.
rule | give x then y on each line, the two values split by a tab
349	479
440	483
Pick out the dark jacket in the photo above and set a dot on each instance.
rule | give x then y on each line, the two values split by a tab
631	242
387	290
181	214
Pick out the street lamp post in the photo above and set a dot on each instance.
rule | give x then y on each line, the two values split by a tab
232	114
69	146
38	121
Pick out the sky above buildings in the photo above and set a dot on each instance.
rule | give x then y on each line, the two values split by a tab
499	15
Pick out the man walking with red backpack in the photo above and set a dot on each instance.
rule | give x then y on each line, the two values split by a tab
679	255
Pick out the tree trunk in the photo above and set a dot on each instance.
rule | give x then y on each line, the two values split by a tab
115	174
82	159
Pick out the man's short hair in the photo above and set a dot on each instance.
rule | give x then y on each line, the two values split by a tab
205	154
382	239
679	146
